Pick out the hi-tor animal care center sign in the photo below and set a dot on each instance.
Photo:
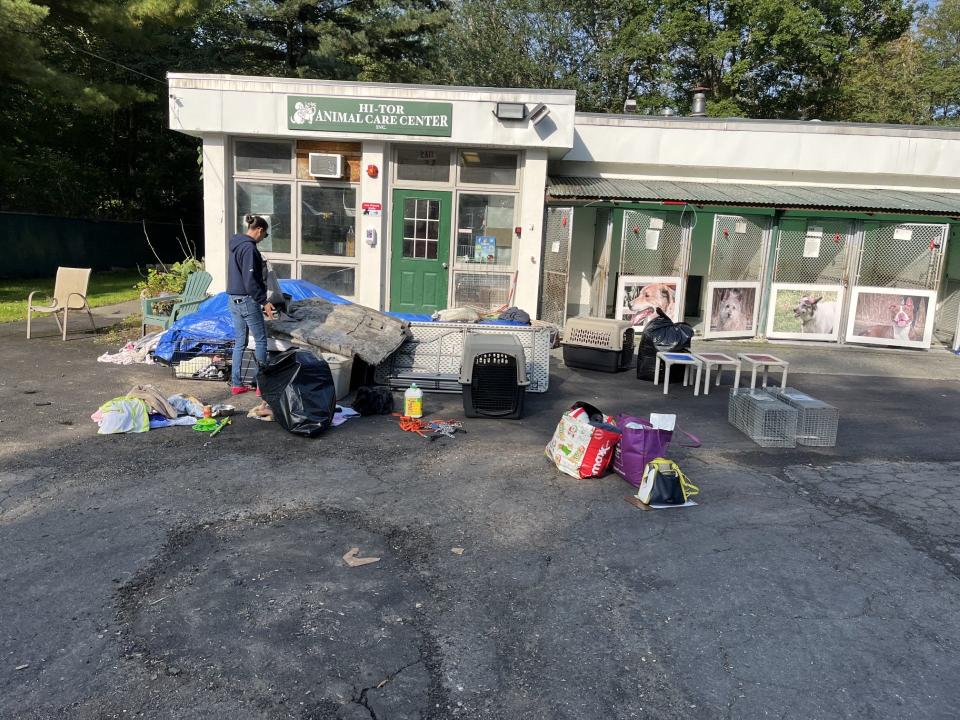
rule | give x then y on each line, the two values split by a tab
369	115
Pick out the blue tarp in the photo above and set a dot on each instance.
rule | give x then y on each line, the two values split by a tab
210	328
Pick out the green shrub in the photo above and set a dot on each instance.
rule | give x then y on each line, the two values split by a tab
170	281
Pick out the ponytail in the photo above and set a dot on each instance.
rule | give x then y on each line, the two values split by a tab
255	222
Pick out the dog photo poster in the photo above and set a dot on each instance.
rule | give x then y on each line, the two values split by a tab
732	309
805	312
891	316
640	296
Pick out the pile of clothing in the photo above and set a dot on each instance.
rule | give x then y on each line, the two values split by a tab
139	352
145	408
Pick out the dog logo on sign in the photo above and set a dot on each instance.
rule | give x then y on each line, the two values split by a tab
303	113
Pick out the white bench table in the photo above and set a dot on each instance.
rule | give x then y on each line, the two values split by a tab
721	360
670	359
756	361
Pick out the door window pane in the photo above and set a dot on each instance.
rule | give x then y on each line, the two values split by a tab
328	218
262	157
337	279
421	228
485	229
423	165
272	203
488	168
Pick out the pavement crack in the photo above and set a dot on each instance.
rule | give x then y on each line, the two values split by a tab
362	699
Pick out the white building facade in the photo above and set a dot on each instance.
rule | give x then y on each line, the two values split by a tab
414	198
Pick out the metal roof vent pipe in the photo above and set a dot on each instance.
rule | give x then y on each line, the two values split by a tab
668	112
699	106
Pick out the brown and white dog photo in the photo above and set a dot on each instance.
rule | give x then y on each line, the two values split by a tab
900	326
642	302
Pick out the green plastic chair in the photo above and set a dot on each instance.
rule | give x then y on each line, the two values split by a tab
194	293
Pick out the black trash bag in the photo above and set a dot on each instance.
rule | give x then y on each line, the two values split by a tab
662	335
298	387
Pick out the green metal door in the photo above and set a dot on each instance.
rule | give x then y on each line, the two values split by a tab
420	251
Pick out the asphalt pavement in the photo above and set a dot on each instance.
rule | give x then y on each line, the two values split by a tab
174	575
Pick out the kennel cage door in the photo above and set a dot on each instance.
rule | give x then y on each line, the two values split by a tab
737	261
555	262
900	258
809	278
656	244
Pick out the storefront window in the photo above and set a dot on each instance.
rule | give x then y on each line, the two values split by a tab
272	202
339	279
281	269
483	290
488	168
328	217
423	165
262	157
485	229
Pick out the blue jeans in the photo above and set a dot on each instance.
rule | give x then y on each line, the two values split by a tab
246	314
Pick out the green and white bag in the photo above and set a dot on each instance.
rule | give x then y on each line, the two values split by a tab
664	483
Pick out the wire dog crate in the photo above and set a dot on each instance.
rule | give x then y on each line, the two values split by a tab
432	358
817	422
763	418
598	344
210	361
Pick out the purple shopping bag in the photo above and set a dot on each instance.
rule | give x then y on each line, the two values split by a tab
639	444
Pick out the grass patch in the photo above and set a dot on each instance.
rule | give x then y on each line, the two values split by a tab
106	288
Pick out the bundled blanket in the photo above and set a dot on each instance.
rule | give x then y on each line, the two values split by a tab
343	329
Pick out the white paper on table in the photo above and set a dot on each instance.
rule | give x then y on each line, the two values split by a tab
811	246
741	228
652	239
555	246
688	503
663	421
903	234
656	223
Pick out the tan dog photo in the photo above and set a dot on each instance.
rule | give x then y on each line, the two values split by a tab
642	301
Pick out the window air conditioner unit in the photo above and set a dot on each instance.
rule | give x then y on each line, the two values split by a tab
325	165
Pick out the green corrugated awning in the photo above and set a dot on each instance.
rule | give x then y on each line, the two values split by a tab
566	188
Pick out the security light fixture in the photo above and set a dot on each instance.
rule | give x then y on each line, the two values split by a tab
539	113
510	111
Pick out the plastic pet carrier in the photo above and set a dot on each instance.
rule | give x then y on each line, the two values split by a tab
493	376
598	344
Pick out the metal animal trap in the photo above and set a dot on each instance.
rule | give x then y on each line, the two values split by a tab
763	418
598	344
817	423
